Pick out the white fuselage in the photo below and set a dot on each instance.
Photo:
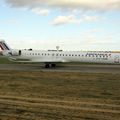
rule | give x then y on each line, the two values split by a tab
69	56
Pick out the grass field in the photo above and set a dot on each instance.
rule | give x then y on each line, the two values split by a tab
57	95
4	60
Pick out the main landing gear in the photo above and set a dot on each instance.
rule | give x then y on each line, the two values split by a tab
50	65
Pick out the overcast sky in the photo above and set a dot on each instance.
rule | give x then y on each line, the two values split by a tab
70	24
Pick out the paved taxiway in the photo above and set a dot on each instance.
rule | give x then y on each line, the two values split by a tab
64	68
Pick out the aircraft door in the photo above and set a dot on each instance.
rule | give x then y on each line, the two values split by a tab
53	56
117	59
20	52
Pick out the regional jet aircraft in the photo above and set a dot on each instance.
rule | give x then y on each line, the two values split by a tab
51	57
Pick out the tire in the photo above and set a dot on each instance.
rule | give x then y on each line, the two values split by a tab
53	65
47	66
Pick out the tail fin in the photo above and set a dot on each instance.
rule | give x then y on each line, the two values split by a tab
4	46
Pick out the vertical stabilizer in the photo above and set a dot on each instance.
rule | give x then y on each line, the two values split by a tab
3	45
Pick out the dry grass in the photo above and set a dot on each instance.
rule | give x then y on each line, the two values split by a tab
57	95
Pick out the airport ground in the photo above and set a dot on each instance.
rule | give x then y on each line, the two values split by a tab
69	92
60	67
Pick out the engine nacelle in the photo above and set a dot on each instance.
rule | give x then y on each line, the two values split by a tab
16	52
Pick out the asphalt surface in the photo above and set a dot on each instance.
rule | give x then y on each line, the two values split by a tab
85	68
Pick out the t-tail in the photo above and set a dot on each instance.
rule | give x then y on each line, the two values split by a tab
4	46
7	51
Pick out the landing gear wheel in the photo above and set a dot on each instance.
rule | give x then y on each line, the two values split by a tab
53	65
47	66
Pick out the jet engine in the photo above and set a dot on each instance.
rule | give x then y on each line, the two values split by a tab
15	52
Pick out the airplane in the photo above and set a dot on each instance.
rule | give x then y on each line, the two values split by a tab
52	57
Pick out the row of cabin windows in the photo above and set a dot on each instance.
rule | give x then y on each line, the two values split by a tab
54	54
87	55
97	55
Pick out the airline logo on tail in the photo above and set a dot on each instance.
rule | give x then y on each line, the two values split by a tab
4	46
